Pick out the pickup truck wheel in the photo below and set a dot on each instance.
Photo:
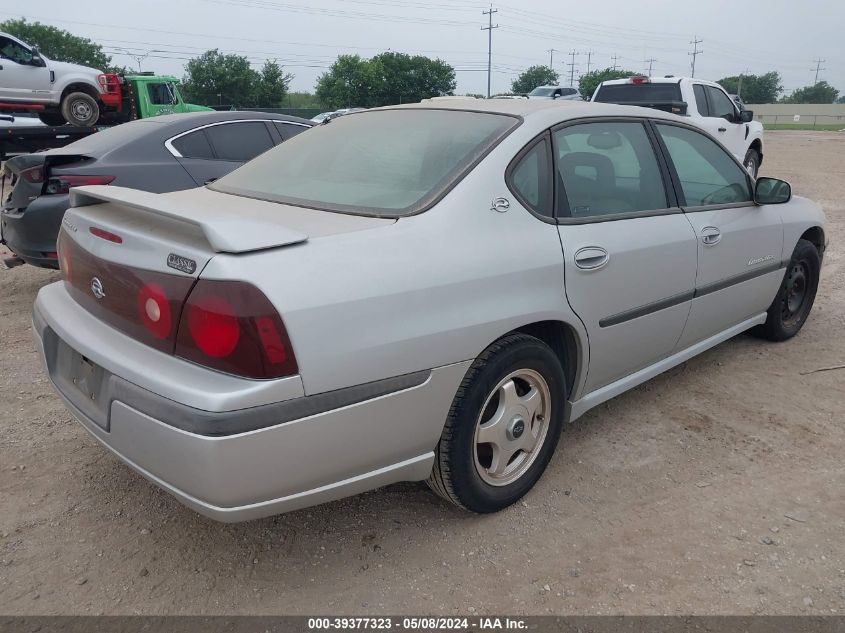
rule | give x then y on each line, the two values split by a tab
53	119
752	162
80	109
503	426
795	296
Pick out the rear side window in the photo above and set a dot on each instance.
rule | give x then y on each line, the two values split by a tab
700	99
607	169
721	105
193	145
240	141
530	179
707	173
639	93
288	130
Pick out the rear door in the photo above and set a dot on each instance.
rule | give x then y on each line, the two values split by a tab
629	252
212	151
739	243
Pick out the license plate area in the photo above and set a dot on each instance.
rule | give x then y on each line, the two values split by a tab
85	384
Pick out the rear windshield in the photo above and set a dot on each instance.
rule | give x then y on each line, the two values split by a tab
385	163
542	92
638	93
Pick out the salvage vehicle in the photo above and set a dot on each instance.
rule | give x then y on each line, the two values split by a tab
705	103
555	92
417	292
165	153
60	92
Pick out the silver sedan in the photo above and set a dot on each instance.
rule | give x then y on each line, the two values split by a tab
422	292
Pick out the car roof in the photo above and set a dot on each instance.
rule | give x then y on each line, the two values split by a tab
659	80
191	119
535	108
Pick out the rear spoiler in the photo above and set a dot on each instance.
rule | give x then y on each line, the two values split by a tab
226	229
673	107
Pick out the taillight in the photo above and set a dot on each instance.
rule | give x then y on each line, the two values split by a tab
639	79
232	327
154	310
63	184
64	256
34	175
106	235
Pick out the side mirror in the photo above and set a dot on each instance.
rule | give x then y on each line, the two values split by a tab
746	116
772	191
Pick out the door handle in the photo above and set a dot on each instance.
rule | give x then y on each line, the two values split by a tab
710	235
723	129
591	257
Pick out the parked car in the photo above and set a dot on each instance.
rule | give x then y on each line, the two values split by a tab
420	292
335	113
166	153
555	92
705	103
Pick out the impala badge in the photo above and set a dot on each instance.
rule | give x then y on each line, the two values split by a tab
760	260
181	263
97	288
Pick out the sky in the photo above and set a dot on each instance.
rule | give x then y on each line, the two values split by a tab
738	36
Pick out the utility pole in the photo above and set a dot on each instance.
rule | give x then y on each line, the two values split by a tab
589	56
818	68
739	84
614	58
571	65
489	28
650	63
695	52
551	53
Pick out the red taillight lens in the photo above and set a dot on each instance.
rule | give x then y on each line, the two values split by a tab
63	184
34	175
639	80
154	310
106	235
232	327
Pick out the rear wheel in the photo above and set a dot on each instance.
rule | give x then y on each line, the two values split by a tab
80	109
53	119
503	426
752	162
796	295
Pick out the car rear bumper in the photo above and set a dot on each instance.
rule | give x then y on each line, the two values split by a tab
31	233
276	468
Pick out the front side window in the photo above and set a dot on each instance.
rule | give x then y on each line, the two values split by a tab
9	49
161	94
606	169
707	173
721	105
380	162
530	179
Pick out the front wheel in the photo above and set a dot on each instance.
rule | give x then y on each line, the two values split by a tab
503	426
795	296
80	109
752	162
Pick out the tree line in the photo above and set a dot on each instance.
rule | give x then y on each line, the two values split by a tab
216	78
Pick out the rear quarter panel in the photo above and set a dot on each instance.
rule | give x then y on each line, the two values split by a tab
425	291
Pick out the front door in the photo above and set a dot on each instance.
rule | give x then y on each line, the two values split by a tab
629	252
20	78
739	243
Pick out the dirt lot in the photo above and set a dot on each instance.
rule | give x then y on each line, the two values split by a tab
715	488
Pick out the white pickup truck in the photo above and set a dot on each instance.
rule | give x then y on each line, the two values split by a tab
57	91
705	103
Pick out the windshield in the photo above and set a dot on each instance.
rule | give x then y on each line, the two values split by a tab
384	163
541	92
638	93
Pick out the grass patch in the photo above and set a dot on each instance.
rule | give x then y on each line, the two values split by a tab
826	127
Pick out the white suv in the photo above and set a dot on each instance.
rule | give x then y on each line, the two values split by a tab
704	103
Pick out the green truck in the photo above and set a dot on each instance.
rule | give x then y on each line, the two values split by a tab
130	97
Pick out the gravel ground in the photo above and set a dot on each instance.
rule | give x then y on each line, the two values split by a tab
716	488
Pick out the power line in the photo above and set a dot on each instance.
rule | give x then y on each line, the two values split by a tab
695	53
819	61
572	65
489	28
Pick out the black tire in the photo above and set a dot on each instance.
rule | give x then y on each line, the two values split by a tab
795	296
752	162
80	109
455	475
53	119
